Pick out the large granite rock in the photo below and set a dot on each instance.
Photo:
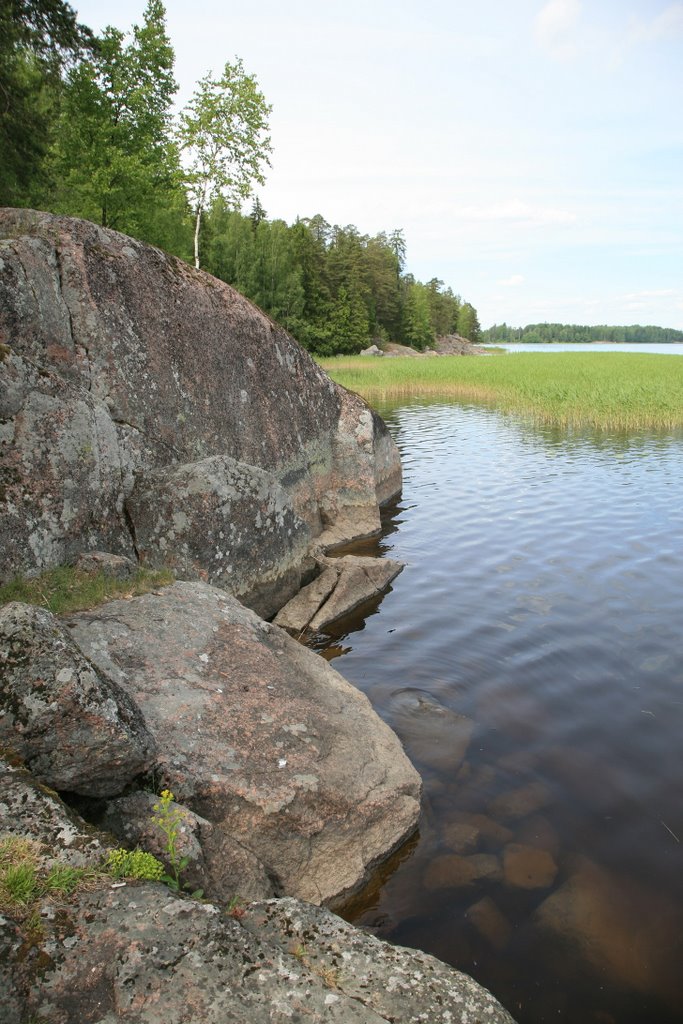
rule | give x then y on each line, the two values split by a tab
122	369
141	955
258	735
76	729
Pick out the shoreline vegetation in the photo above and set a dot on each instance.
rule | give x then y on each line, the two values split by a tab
606	391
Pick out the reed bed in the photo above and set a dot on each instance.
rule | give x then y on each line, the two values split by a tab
605	390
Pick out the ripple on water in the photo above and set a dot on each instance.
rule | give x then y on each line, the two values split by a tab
541	605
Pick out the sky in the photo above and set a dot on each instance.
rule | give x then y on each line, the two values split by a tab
532	152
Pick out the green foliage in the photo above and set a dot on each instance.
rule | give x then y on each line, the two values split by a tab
607	390
468	323
170	820
136	863
24	879
417	321
222	134
63	589
114	161
38	38
579	334
333	288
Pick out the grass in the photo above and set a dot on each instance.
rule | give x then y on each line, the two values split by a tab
63	589
610	390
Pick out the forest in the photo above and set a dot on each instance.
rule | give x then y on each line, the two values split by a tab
88	129
536	334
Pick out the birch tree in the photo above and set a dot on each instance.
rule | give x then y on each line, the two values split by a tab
223	140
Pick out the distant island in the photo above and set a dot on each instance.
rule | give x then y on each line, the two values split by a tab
537	334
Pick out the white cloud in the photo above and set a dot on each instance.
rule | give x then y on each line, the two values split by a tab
518	212
556	25
513	281
668	22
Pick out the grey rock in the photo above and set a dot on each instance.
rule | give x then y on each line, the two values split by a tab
141	955
116	567
75	729
217	863
433	734
30	810
344	584
259	735
123	364
372	350
230	524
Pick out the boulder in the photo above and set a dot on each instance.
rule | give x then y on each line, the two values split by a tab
76	729
258	735
372	350
452	871
620	929
135	952
217	863
121	365
344	584
31	811
528	867
230	524
434	735
141	955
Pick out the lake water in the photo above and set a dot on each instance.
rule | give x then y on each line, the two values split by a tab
673	349
530	658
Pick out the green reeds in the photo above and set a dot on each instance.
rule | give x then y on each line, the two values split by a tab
605	390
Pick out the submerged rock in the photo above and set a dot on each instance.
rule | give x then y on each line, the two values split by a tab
74	727
434	735
258	735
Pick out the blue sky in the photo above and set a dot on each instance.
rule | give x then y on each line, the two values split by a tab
531	151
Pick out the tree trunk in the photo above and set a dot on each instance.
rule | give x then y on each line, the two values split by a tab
196	236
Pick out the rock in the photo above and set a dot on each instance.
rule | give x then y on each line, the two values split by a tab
114	566
433	735
456	345
30	810
372	350
218	864
461	836
527	867
259	735
490	922
230	524
451	871
123	365
142	955
75	728
520	802
624	931
490	831
136	952
395	984
344	584
537	831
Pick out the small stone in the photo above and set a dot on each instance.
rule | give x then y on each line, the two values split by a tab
461	836
520	802
527	867
451	871
490	922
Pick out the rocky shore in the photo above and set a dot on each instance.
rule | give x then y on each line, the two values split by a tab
150	415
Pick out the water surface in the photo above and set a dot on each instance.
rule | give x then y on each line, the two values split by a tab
530	658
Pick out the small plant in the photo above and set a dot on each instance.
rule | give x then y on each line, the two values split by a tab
169	819
65	589
235	908
24	880
134	864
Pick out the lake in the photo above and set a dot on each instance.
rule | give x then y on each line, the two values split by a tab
672	349
529	656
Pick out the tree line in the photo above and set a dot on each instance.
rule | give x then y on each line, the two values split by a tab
87	129
579	333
